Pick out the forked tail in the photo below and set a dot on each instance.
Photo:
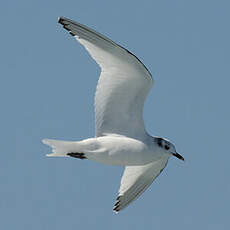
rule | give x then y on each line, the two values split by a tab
64	148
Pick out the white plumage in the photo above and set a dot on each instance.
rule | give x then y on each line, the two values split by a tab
121	138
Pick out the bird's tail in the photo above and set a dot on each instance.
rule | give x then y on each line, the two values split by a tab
60	148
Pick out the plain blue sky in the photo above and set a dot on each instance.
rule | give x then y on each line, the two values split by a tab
47	88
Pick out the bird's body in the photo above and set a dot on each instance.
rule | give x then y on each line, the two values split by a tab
120	135
111	150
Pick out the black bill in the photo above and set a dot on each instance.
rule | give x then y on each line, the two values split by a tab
178	156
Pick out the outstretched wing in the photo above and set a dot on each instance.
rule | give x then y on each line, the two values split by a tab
135	180
122	87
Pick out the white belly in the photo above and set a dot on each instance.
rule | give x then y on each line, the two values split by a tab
119	150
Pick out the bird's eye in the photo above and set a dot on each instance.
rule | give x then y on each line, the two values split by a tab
166	147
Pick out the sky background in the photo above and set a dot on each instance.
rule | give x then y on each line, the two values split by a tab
47	89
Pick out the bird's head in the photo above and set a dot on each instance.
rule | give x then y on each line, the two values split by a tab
167	147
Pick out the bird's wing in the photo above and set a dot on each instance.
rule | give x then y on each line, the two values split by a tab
135	180
123	84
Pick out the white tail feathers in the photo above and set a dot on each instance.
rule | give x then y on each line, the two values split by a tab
60	148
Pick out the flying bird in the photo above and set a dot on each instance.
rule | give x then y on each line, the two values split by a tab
120	135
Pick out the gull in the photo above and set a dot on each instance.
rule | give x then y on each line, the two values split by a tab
120	135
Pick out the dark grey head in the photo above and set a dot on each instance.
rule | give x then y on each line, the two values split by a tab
168	147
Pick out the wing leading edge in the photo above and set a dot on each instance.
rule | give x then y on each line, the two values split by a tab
135	180
122	87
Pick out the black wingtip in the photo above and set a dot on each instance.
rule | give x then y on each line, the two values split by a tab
60	19
71	33
65	23
116	207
